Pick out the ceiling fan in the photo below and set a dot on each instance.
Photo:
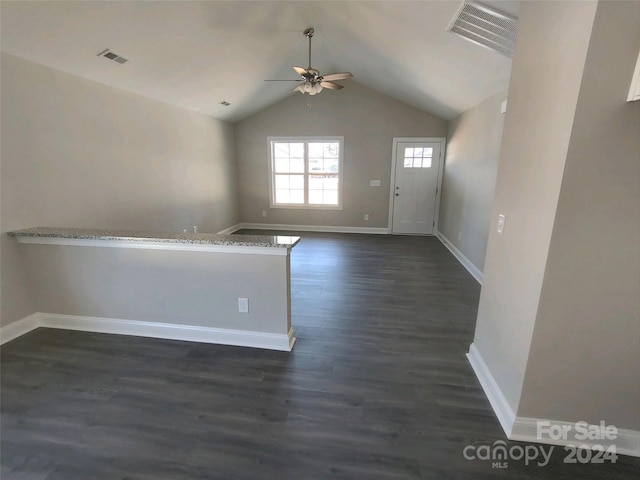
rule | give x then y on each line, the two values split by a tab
313	82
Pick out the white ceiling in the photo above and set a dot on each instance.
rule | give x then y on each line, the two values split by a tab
194	54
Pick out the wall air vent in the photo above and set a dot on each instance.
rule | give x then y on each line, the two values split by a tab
106	53
486	27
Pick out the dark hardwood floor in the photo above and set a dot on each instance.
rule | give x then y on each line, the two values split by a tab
377	387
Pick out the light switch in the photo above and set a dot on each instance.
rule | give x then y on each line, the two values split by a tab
501	220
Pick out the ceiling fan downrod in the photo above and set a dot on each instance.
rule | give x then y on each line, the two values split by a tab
309	34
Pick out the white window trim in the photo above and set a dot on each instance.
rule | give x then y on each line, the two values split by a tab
297	206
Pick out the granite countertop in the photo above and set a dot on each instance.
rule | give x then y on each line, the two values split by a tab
267	241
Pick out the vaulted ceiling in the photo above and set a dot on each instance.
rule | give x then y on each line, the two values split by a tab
194	54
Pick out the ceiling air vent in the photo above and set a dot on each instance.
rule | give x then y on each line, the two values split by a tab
486	27
112	56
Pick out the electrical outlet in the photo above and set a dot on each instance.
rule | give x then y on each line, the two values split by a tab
195	229
374	183
459	236
366	217
264	213
243	305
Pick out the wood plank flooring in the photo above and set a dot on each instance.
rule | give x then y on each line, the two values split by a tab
377	387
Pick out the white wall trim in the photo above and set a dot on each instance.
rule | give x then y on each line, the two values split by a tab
313	228
231	229
151	245
19	328
525	429
170	331
292	339
466	263
627	442
499	403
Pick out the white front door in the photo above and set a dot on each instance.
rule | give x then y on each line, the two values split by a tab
416	187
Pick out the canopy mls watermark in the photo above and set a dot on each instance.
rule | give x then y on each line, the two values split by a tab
572	436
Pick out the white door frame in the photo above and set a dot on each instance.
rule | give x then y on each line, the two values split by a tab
442	141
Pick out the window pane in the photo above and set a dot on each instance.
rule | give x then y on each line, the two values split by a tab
323	182
297	165
315	183
331	165
331	183
289	157
296	182
331	150
281	150
297	150
315	197
282	165
315	165
296	196
417	162
316	150
324	157
426	163
282	182
408	162
282	196
331	197
408	152
427	152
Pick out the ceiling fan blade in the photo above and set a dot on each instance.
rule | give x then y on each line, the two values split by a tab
300	80
331	85
298	88
300	70
337	76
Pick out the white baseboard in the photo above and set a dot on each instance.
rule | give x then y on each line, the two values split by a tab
19	328
504	412
189	333
466	263
231	229
627	442
313	228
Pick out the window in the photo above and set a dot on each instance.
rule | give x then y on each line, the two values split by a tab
306	172
418	157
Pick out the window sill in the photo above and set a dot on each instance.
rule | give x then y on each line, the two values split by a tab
308	207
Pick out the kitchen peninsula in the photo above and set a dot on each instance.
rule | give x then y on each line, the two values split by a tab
226	289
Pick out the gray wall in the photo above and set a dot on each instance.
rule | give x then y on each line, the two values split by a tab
545	80
189	288
368	121
559	316
79	154
468	184
585	352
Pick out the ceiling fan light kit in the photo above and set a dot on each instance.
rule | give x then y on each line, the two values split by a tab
313	82
309	87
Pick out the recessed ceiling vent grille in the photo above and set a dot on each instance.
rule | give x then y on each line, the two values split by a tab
485	26
112	56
